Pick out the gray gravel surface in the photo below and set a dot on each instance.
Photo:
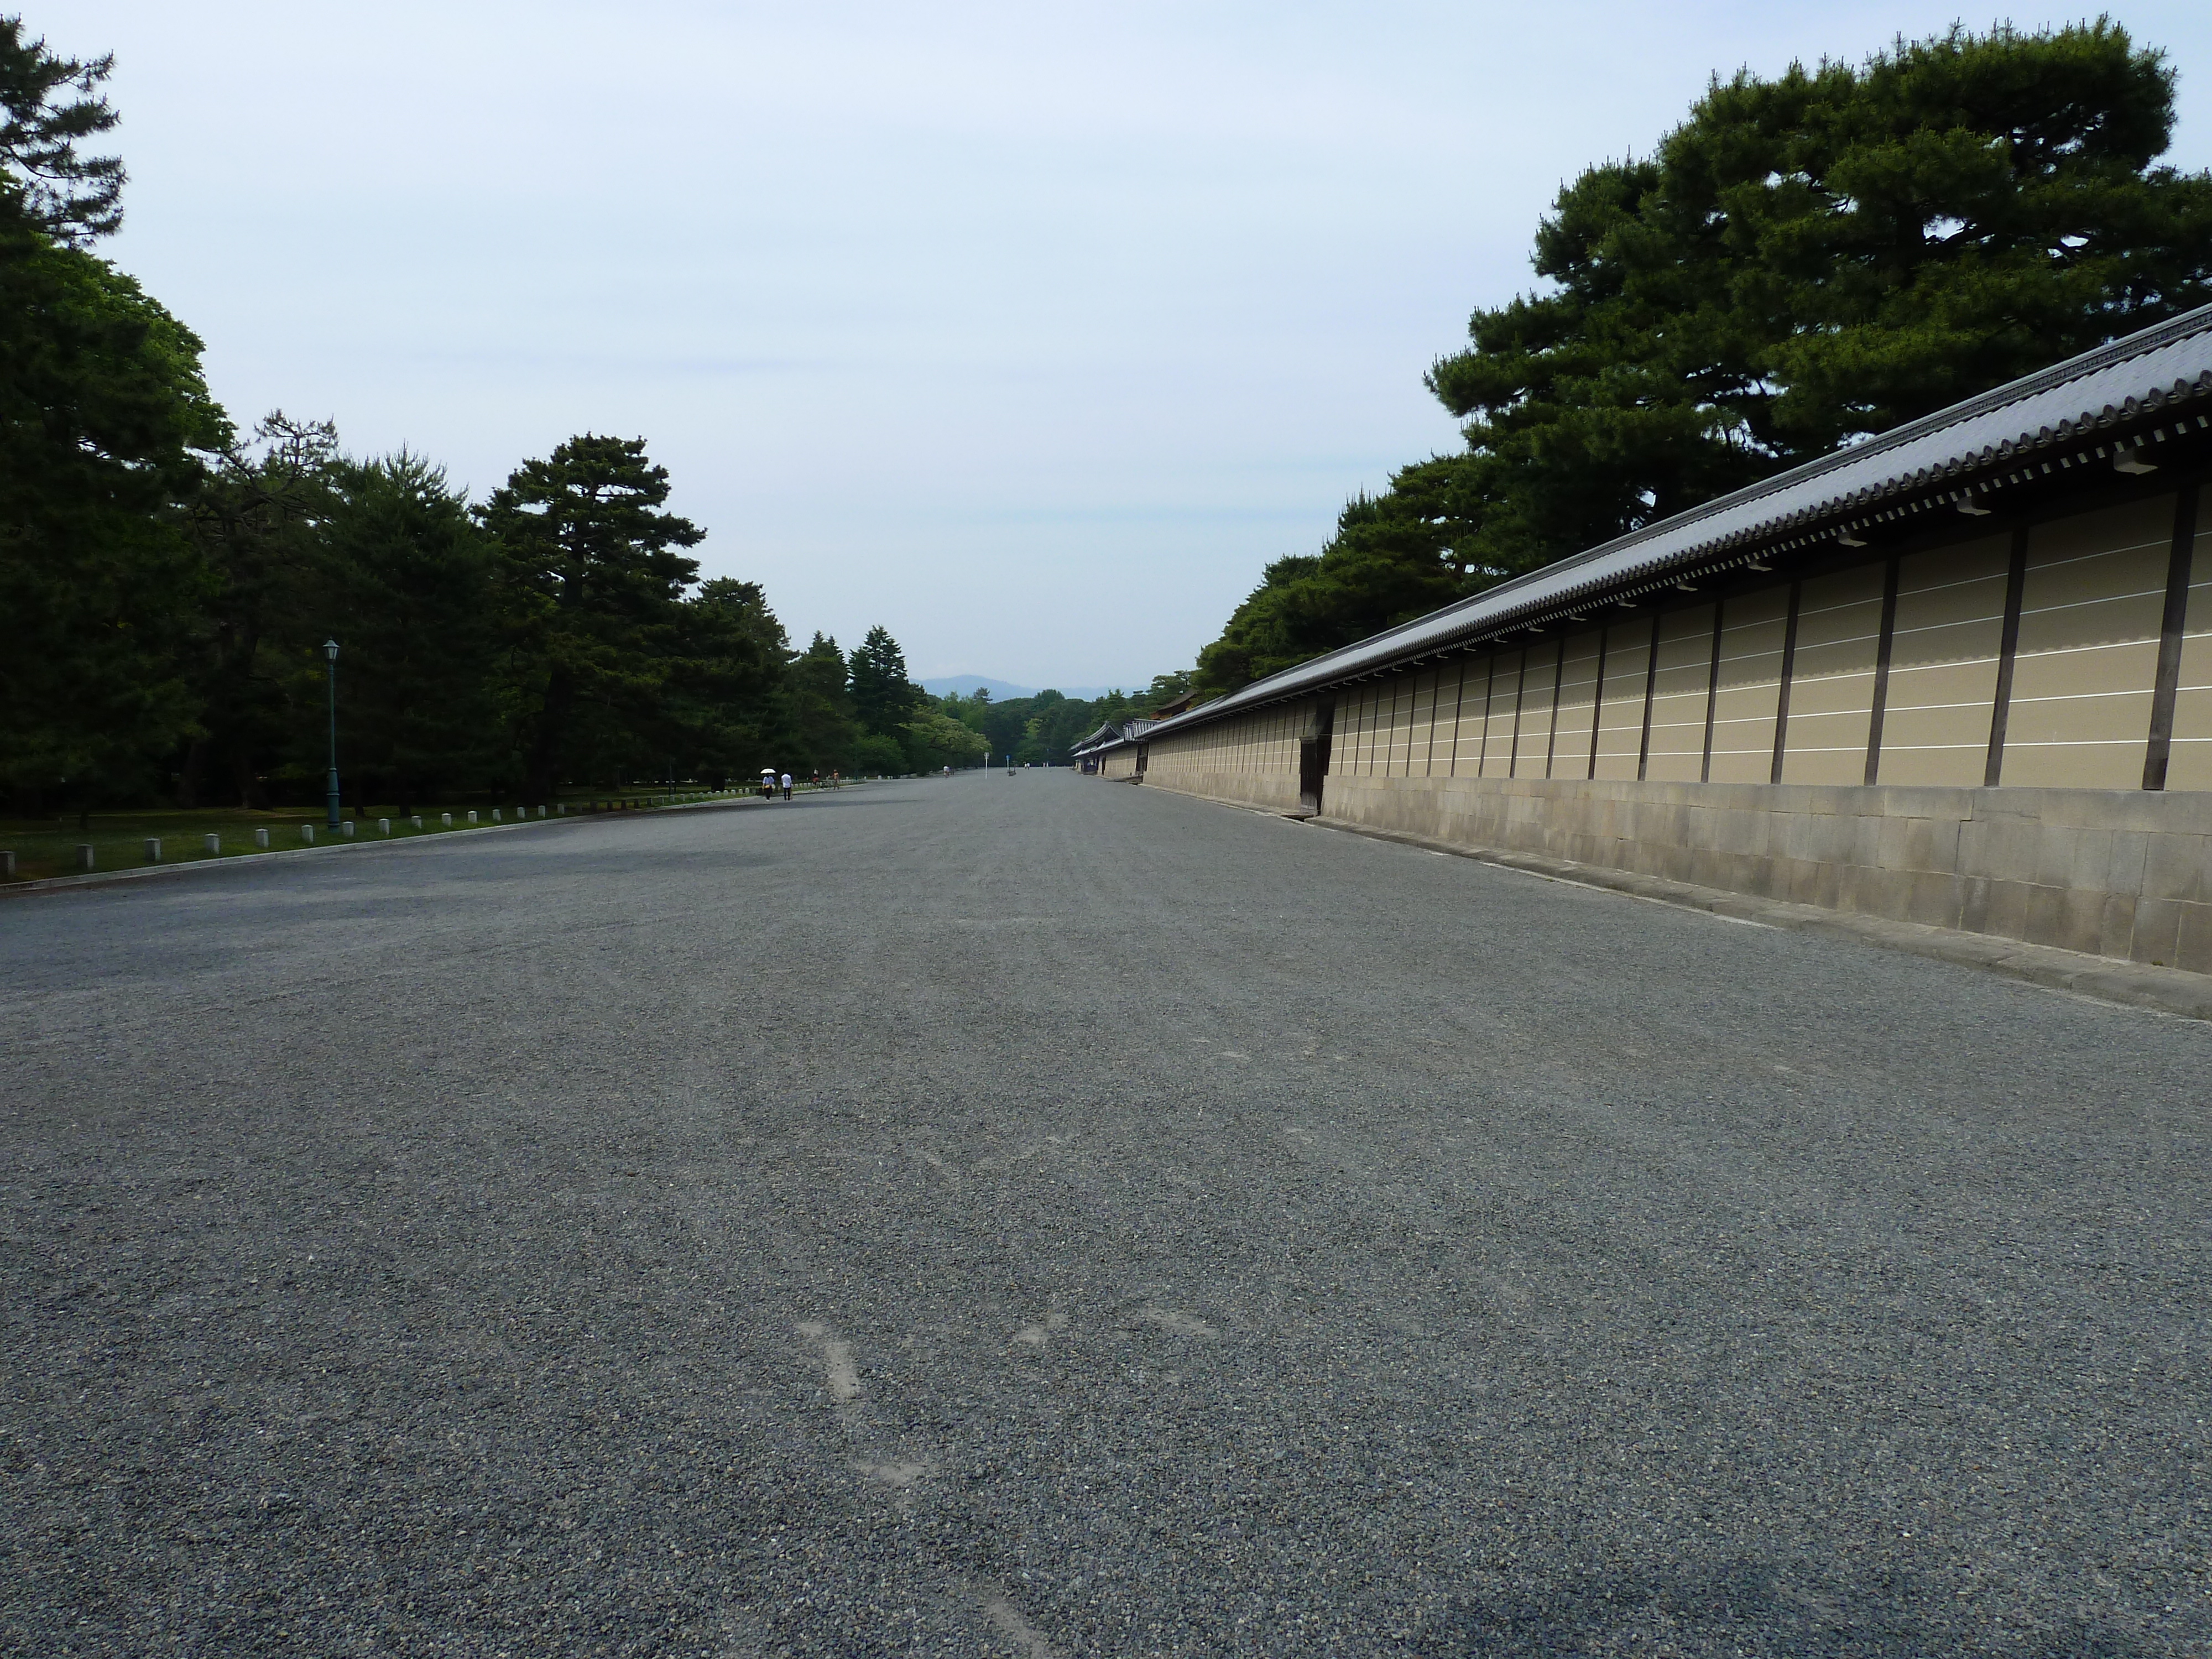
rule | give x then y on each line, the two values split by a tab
1036	1216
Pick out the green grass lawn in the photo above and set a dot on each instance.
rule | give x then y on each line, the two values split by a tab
48	846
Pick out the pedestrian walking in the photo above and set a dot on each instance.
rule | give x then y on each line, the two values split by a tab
786	785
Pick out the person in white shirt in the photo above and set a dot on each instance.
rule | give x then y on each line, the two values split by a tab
786	785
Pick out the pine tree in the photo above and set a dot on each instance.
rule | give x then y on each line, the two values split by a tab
589	546
884	699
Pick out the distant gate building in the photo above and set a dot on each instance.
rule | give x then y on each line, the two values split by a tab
1961	674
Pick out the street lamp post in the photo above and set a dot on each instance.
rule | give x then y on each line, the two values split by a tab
330	651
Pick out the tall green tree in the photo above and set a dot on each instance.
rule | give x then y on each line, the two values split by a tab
410	585
883	698
102	410
591	548
724	714
824	728
1804	261
257	520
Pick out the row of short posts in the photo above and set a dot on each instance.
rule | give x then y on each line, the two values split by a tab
87	857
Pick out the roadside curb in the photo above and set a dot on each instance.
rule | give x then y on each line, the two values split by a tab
2167	990
188	866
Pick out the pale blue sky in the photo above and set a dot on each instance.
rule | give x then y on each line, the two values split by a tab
1029	332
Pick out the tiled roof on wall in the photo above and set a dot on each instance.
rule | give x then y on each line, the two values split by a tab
2021	424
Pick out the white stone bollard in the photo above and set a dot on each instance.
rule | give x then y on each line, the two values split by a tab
261	838
87	859
153	849
346	828
446	819
384	826
7	866
212	843
495	815
541	811
473	818
307	834
416	820
561	811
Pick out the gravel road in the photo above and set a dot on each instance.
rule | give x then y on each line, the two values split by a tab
1035	1216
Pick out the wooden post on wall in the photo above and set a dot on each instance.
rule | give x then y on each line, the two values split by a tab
2008	645
1597	700
1651	686
1782	692
1520	697
1559	679
1712	694
2167	687
1882	672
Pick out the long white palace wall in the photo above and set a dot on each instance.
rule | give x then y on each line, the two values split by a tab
1249	760
2011	733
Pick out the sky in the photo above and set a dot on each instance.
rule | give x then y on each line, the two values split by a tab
1031	333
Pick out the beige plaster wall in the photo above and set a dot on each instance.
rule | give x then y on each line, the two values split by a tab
1252	760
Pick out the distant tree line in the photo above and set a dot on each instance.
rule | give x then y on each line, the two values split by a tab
1044	730
167	586
1803	262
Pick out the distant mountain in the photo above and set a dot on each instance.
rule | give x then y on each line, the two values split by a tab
1000	690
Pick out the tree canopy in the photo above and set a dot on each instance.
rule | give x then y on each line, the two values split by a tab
102	406
1804	261
168	586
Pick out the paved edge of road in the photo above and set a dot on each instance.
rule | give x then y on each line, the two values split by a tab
2167	990
187	866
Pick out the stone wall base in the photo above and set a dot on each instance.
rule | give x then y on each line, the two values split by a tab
2124	874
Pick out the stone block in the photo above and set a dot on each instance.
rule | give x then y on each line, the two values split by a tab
153	849
1823	838
446	820
1974	904
1933	898
7	866
346	828
1877	893
2066	917
1864	846
87	859
2173	867
2074	857
2006	910
2192	946
307	834
472	816
2123	869
1890	834
261	838
2156	935
2116	924
2004	849
384	826
211	843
